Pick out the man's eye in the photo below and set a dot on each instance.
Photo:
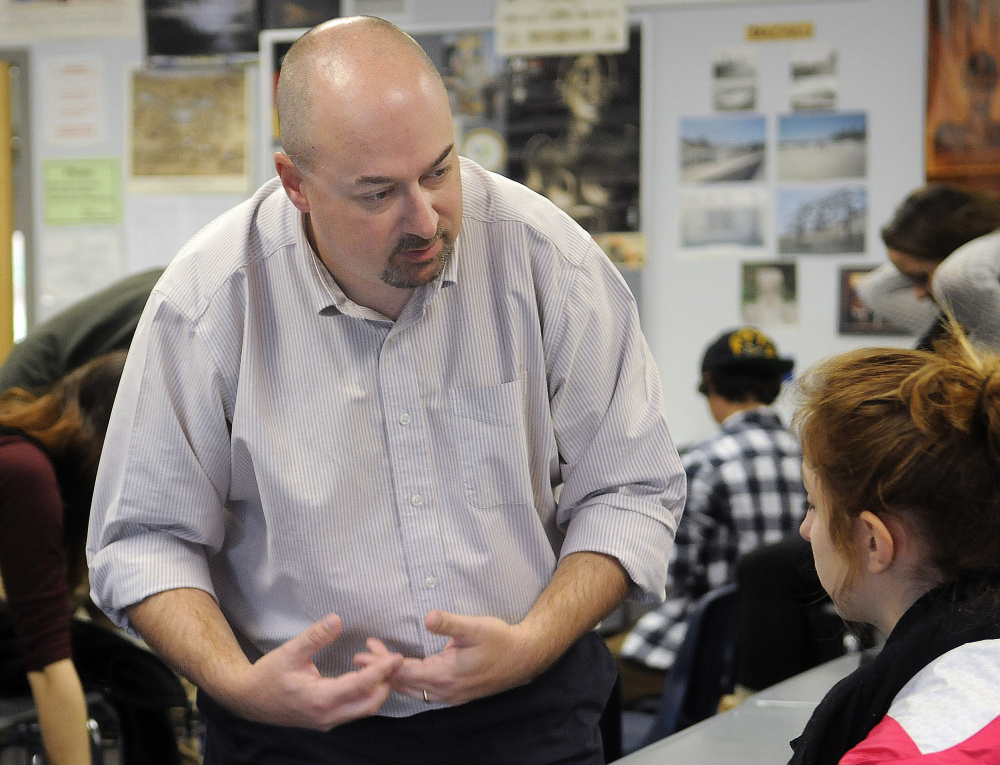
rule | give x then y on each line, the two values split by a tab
440	172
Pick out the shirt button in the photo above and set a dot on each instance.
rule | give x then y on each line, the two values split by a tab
404	418
416	500
429	582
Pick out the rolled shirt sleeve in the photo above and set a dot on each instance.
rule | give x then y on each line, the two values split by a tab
168	429
624	485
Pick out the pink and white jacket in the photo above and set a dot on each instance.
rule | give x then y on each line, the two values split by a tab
947	714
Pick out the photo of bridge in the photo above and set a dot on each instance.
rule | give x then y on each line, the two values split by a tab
719	149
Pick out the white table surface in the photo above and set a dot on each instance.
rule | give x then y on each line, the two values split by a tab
755	733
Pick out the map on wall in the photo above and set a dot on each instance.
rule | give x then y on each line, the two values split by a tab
189	131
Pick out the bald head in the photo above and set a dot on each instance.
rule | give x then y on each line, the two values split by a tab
352	60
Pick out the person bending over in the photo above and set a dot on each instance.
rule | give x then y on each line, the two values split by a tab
944	253
49	450
389	444
101	323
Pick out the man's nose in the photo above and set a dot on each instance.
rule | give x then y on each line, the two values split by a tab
423	218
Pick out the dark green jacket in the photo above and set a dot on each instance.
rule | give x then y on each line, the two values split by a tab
96	325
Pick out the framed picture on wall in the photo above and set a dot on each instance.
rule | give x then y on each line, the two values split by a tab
855	318
963	90
821	220
574	130
820	146
769	294
723	149
202	28
295	14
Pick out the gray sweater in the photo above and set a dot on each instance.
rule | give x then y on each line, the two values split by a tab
967	282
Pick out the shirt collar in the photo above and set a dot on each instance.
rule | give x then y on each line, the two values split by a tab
327	295
757	414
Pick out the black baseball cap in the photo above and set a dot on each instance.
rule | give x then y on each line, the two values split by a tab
745	348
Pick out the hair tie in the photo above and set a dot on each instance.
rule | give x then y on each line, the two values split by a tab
986	384
980	417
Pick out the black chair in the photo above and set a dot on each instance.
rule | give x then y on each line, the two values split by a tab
21	738
703	671
137	694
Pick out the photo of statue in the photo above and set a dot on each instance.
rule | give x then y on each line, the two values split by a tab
769	294
573	133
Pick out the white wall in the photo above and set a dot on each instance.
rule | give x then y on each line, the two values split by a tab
684	302
688	302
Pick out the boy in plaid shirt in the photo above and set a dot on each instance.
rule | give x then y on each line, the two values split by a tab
744	490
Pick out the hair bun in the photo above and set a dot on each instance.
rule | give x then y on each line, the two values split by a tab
951	399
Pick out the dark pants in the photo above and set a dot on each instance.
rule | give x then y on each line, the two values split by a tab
553	719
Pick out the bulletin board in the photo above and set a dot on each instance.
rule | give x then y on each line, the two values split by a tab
775	157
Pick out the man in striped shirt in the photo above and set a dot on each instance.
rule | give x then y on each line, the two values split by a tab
388	445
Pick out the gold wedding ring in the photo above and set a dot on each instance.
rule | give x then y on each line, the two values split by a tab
425	697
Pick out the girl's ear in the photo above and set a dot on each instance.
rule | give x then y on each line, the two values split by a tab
880	541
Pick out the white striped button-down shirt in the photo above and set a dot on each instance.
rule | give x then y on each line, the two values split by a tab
293	453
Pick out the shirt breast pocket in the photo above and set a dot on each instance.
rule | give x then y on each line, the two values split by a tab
492	444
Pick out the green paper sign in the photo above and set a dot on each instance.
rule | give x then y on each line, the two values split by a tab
81	191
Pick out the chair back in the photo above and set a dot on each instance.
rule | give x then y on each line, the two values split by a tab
705	666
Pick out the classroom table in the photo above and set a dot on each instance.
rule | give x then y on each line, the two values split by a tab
755	733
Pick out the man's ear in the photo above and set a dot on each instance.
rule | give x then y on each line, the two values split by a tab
880	540
292	180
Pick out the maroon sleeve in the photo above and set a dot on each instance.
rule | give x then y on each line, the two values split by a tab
32	560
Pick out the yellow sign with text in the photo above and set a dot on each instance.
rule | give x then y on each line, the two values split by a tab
799	30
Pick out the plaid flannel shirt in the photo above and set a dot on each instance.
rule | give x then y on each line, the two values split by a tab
744	490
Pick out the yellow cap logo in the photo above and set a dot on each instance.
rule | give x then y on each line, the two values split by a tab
752	342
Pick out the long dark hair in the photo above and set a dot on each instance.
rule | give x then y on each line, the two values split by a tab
70	422
934	221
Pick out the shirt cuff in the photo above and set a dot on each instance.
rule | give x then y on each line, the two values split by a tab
631	534
132	569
